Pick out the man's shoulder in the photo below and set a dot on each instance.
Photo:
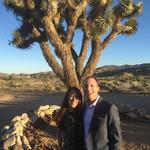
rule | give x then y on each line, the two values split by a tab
104	106
105	102
108	106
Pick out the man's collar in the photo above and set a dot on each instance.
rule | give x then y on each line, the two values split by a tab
94	103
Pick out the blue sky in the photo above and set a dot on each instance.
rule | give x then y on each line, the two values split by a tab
133	49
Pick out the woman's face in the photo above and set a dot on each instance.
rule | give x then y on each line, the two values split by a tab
73	99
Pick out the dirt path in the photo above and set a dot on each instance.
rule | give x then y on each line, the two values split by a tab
136	100
137	132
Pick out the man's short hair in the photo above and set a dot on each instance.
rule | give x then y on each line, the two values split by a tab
93	77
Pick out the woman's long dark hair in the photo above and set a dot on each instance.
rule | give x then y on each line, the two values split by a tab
65	101
65	105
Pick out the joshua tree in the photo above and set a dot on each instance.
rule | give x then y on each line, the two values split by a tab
53	23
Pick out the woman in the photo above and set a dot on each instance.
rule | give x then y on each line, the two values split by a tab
69	121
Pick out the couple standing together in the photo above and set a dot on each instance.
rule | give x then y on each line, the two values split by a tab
94	125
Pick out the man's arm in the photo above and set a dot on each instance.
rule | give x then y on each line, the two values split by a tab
114	129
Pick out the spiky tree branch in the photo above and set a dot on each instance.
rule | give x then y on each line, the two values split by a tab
47	53
82	56
74	18
94	57
51	60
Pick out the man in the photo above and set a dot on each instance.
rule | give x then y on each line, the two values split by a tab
101	120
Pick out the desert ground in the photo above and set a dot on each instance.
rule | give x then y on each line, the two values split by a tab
14	103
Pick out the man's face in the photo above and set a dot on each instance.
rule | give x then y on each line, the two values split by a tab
91	89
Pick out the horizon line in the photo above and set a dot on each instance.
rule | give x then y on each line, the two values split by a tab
54	73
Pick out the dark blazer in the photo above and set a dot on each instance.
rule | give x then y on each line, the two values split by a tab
104	132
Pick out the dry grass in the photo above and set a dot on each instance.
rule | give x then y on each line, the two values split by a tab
134	146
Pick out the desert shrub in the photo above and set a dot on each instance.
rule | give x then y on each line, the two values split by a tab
121	79
7	78
110	87
140	78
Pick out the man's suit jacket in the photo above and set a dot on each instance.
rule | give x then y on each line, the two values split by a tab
104	132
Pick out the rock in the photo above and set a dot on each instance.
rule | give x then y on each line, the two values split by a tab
132	115
125	85
147	117
5	136
135	84
121	108
25	140
26	143
54	107
129	108
42	114
20	133
18	140
48	111
5	129
31	138
43	107
53	123
10	142
24	121
17	124
28	147
17	130
18	147
17	118
24	116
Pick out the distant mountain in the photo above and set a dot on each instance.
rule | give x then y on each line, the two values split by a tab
105	71
125	78
112	70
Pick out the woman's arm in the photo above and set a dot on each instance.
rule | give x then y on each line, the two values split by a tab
59	139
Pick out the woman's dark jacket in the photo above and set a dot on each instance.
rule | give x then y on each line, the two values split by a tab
72	131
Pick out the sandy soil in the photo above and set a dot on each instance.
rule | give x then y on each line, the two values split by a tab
18	102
